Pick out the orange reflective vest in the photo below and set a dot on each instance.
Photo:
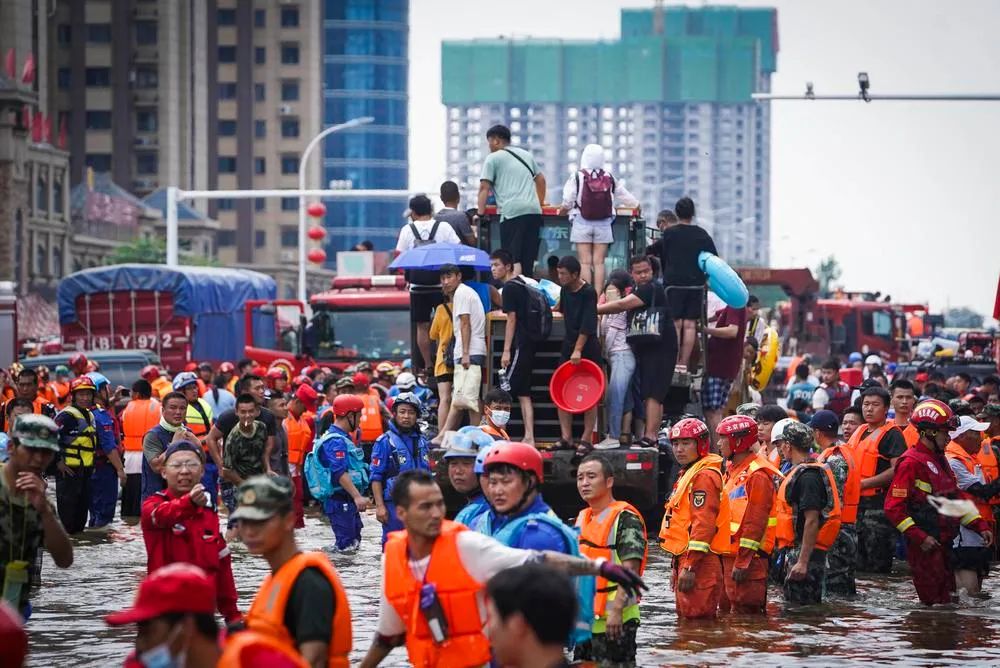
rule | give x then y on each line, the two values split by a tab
457	592
675	531
199	419
61	392
954	451
866	455
161	387
139	416
497	434
371	417
988	460
249	648
734	487
299	438
598	536
852	486
829	516
267	612
910	434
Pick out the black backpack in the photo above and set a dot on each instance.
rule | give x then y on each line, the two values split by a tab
423	276
538	321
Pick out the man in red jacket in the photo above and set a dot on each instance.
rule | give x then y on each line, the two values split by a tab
178	524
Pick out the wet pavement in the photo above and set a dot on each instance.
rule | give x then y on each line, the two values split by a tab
885	626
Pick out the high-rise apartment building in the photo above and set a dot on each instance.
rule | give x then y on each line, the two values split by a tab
670	102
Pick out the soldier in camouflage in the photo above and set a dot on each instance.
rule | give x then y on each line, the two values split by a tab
842	557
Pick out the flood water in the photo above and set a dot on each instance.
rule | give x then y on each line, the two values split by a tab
885	626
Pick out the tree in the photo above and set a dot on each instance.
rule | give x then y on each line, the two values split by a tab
827	272
962	317
154	251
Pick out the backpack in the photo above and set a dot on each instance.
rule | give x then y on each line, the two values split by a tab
423	276
538	321
596	194
318	477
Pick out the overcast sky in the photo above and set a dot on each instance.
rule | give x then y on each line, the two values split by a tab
905	195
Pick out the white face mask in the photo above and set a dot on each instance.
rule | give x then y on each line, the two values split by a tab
500	418
160	656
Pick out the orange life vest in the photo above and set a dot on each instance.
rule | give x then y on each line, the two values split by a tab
971	463
910	434
249	648
866	454
61	392
596	543
675	530
139	416
267	612
497	434
734	487
456	591
829	516
299	438
161	387
371	417
852	486
988	460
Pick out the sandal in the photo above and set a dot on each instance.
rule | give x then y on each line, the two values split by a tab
583	448
645	442
562	444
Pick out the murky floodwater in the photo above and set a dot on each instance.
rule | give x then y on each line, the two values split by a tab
887	625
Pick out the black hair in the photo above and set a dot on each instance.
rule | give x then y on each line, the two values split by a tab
771	413
506	259
621	279
448	269
420	205
878	391
27	373
854	410
246	380
666	215
933	391
752	342
173	395
18	402
501	132
406	479
964	376
498	396
639	259
552	262
544	597
901	384
936	377
799	405
991	380
570	264
366	245
449	192
141	389
684	208
753	299
246	361
246	398
606	468
832	363
802	371
204	623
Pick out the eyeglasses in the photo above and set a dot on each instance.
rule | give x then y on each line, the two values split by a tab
179	466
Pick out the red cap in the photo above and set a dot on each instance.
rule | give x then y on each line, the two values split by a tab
13	638
360	381
178	587
307	395
191	366
921	377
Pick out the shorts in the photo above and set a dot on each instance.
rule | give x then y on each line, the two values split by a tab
519	236
591	350
657	362
715	392
522	359
422	304
685	302
591	231
971	559
445	378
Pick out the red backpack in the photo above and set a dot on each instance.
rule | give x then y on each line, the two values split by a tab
596	194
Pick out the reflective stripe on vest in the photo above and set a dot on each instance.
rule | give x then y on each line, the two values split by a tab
80	449
866	454
675	531
267	612
139	416
956	452
457	593
197	419
299	438
598	540
371	417
829	516
852	486
988	460
734	487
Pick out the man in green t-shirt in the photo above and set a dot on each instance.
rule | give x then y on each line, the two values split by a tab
519	187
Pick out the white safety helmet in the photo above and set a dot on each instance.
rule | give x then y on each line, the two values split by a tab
406	381
778	430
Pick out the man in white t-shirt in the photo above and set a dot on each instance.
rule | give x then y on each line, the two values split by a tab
418	563
425	287
469	322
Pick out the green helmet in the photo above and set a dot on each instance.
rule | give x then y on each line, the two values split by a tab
262	497
36	431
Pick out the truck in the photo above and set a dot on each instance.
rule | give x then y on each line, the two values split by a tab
183	314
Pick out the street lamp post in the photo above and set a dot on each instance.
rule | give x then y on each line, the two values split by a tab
303	161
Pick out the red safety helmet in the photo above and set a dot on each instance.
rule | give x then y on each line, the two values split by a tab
360	381
82	383
934	415
227	367
347	403
277	373
258	370
692	428
519	455
740	430
78	363
150	372
298	381
191	366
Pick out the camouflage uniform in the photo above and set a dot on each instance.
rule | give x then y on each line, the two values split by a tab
843	554
876	541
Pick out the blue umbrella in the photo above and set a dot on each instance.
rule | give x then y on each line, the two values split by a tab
434	256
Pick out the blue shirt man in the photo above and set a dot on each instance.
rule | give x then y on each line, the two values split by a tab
399	449
339	455
108	472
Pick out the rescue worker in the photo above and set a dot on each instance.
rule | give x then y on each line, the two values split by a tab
109	471
456	563
401	448
374	420
198	419
277	379
904	397
496	414
477	503
808	511
78	364
876	447
851	422
922	472
842	557
180	525
141	414
227	377
78	441
161	386
27	519
615	531
60	386
301	605
338	454
26	385
155	442
767	417
750	483
695	528
385	378
460	458
299	424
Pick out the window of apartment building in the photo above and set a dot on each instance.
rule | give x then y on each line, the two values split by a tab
226	17
57	194
290	90
63	78
290	204
260	165
98	120
227	204
225	237
98	76
64	33
147	76
260	55
227	90
260	129
260	238
290	17
259	92
227	128
42	192
227	54
289	237
259	204
99	162
146	33
289	53
99	33
146	120
289	164
289	128
259	18
147	162
227	165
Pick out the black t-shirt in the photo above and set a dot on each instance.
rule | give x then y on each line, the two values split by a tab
679	254
807	493
515	300
310	609
579	311
651	294
227	420
325	421
892	445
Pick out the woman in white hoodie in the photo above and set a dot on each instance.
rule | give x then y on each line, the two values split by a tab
590	197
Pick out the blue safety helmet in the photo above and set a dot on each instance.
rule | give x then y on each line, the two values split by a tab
854	357
100	380
184	379
479	438
460	446
480	466
407	363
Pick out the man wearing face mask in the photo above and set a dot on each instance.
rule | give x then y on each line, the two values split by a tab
497	414
338	454
174	613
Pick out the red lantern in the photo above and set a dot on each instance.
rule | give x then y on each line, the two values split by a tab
316	210
316	233
316	256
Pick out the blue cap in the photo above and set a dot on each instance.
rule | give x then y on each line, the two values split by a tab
825	420
855	357
100	380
